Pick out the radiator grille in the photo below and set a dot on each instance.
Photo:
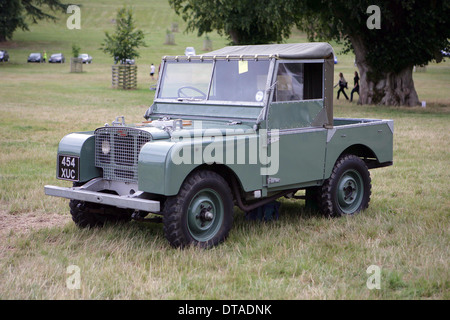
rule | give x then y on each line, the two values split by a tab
117	151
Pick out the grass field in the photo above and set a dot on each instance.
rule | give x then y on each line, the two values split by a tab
405	231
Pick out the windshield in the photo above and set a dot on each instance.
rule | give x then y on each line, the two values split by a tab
226	80
186	80
34	55
239	80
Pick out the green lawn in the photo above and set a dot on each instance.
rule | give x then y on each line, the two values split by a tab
405	231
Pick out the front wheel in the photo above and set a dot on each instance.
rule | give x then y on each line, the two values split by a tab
348	189
201	213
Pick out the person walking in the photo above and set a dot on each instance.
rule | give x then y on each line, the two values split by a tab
342	85
355	87
45	56
152	71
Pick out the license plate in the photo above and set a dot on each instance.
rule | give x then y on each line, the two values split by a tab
68	168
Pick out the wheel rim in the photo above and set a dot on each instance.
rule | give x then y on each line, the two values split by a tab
205	215
350	192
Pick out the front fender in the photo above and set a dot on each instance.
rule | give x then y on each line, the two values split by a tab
81	144
161	171
152	167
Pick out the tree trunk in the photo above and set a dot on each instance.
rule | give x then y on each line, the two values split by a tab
234	35
385	88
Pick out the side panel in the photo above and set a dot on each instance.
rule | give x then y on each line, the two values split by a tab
163	166
301	145
377	136
301	157
298	114
81	145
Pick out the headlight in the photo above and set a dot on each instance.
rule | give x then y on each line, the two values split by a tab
106	147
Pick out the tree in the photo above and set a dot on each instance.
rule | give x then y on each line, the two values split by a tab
125	41
412	32
14	13
242	21
75	50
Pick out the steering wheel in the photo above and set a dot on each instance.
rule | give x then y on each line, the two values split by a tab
182	94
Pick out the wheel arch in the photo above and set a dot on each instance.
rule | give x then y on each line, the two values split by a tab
369	157
158	174
221	169
361	151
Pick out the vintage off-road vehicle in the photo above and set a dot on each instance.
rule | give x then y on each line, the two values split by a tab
243	125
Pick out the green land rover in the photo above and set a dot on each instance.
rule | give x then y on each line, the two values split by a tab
240	126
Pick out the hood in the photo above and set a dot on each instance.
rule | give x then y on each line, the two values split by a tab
174	129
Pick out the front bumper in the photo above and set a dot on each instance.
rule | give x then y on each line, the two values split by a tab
90	193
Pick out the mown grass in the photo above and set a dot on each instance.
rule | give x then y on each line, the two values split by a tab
405	231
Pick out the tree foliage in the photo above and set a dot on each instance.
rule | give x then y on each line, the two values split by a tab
75	50
125	41
412	32
242	21
14	14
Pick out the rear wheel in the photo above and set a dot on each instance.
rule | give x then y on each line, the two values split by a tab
348	189
202	212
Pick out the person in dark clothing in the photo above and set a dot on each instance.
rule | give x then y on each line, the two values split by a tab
355	87
342	85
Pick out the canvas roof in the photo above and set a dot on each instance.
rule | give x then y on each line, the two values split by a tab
311	50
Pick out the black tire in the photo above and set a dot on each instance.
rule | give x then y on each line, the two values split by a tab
312	198
201	214
348	189
91	215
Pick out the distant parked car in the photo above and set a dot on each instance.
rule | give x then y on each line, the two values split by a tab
57	58
445	53
190	51
4	56
35	57
124	61
335	59
85	57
